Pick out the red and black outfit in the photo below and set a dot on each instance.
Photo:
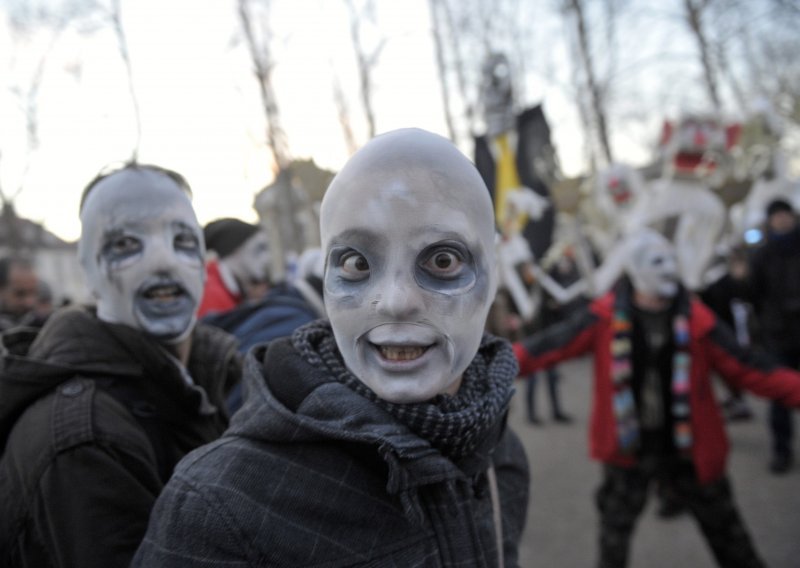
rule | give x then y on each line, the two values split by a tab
217	298
654	413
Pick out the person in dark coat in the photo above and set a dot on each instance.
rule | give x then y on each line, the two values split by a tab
18	292
98	407
775	294
564	272
379	437
655	419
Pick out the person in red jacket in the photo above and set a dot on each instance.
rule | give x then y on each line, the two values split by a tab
654	416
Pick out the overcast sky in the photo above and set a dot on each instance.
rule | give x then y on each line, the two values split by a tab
200	107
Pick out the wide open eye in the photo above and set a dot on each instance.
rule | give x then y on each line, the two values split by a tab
354	266
444	262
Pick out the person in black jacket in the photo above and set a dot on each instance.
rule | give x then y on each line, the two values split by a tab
98	408
379	437
775	293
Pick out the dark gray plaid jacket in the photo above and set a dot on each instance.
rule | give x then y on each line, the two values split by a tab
312	474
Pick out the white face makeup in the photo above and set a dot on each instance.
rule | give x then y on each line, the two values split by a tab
142	251
251	261
408	233
653	265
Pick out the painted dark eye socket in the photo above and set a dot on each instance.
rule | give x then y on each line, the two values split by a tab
444	263
123	245
354	266
186	241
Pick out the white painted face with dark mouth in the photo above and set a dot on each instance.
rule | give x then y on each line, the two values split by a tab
408	233
142	251
653	266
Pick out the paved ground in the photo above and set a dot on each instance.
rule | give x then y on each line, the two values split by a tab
561	529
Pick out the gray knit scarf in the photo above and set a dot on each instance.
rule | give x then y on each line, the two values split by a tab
455	425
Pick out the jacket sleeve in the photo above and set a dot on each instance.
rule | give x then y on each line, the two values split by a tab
513	480
189	527
565	340
751	370
91	506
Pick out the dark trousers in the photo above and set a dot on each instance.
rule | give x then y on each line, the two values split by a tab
552	389
623	494
781	419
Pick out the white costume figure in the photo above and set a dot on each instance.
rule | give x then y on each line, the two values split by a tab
696	158
695	155
410	272
142	251
765	163
616	192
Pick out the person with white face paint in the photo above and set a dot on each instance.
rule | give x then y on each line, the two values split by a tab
103	403
239	265
377	438
654	417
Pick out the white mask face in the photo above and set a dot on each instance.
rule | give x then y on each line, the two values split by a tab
653	266
251	262
142	251
408	233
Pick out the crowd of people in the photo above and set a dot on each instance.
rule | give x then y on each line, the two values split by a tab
198	413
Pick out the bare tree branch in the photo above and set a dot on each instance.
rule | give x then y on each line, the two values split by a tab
442	67
343	112
364	61
694	16
122	43
458	64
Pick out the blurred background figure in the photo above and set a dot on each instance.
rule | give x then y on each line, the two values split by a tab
283	308
728	297
564	271
19	291
775	293
238	267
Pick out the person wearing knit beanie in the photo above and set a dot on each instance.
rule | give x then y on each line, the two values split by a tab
240	260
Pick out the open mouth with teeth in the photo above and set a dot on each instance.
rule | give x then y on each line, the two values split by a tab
165	293
164	299
398	353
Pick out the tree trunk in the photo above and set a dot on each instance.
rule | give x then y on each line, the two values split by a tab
122	44
365	64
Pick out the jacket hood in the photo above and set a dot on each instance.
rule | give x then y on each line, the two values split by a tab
303	403
289	400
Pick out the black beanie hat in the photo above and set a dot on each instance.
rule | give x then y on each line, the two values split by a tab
778	205
224	236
